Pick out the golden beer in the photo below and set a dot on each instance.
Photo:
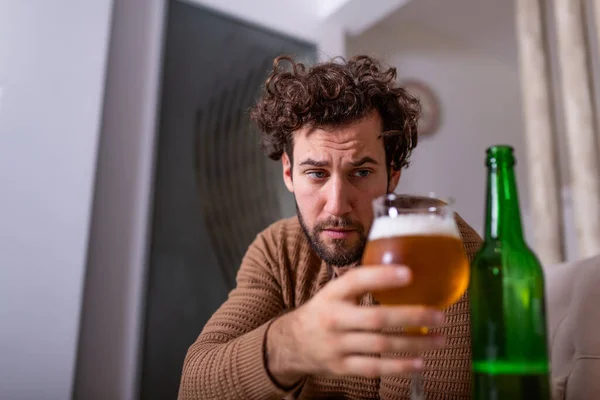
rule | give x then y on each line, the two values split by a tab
431	247
420	233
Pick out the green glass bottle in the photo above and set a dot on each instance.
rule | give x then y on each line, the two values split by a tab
508	312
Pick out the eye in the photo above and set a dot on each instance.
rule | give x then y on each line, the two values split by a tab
316	174
362	173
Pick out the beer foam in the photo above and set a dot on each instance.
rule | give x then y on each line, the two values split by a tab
413	225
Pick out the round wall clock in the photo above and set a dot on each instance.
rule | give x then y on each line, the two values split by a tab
430	119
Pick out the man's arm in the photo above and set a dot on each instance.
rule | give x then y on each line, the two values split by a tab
330	335
227	361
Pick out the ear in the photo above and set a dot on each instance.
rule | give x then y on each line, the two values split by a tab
393	181
287	172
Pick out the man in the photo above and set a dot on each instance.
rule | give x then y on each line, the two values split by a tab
301	322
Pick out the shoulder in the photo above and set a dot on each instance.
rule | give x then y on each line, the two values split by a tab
267	250
281	238
284	232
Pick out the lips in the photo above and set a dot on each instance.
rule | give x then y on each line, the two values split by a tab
338	233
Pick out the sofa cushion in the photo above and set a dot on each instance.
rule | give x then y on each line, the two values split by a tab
573	306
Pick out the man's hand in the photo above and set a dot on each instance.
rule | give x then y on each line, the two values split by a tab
332	335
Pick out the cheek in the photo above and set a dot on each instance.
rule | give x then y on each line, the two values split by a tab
308	201
379	186
364	211
364	206
303	189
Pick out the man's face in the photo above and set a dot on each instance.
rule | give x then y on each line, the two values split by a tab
337	173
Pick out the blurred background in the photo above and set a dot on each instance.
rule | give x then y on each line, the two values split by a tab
132	182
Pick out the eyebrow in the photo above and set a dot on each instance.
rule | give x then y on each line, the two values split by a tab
362	161
314	163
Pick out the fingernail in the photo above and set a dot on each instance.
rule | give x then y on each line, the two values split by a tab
403	273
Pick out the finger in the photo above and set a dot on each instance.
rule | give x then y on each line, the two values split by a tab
373	343
372	367
361	280
385	317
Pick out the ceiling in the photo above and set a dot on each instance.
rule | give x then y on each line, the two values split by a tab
305	19
484	25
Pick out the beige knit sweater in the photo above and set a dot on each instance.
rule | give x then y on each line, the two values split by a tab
278	273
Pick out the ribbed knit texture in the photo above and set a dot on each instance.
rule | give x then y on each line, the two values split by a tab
281	272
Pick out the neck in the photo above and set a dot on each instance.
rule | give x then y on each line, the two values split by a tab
503	219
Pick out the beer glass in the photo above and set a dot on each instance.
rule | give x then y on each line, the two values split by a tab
419	232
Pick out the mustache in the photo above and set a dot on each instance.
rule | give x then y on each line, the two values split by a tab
339	223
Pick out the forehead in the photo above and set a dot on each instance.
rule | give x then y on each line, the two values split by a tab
356	139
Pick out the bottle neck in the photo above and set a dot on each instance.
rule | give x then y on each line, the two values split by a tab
503	218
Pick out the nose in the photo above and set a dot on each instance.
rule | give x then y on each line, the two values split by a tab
338	197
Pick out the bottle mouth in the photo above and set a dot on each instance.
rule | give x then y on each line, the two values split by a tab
500	154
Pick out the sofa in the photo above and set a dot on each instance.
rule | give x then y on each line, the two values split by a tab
573	307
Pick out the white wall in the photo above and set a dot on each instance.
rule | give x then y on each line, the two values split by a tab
109	349
480	102
440	43
52	68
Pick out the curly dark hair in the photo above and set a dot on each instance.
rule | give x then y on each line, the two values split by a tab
332	93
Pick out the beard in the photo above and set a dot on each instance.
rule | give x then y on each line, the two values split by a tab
341	252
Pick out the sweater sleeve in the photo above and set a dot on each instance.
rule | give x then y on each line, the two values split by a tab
227	361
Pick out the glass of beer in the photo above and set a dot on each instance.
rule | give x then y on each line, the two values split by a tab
419	232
